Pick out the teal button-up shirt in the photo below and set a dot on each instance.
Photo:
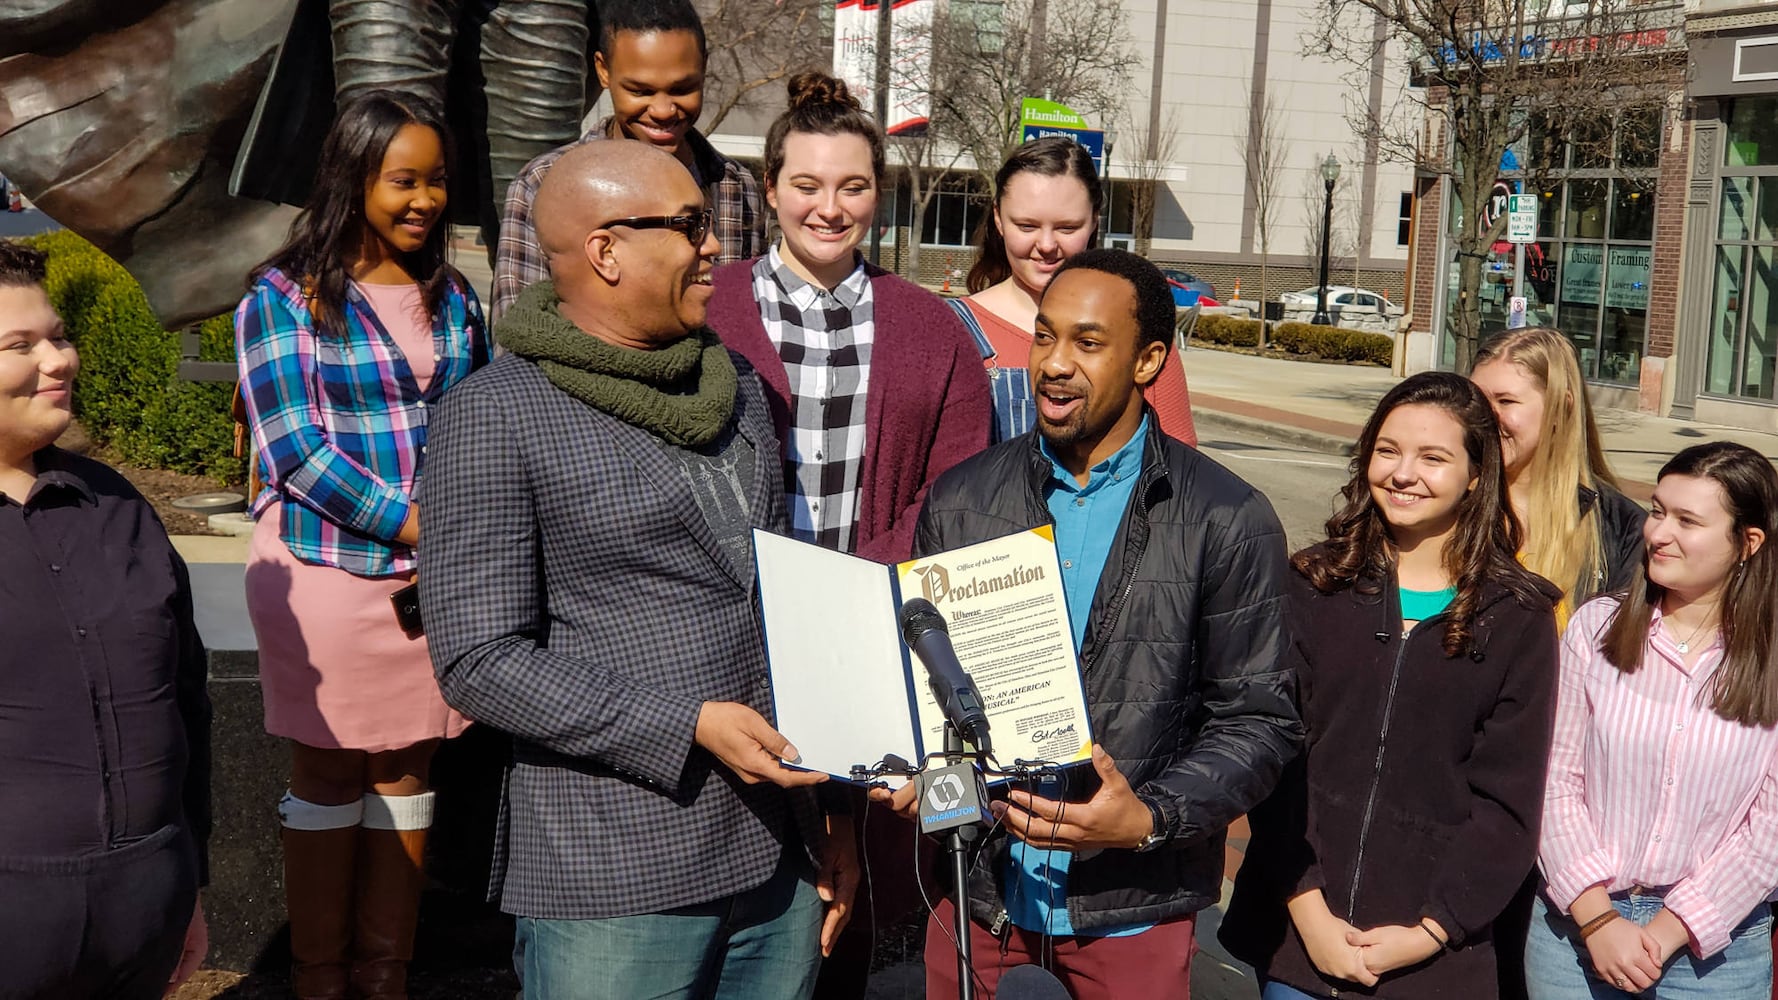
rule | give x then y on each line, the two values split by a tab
1087	518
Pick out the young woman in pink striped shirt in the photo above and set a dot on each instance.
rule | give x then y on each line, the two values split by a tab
1660	821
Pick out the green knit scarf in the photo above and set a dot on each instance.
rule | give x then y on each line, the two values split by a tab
684	392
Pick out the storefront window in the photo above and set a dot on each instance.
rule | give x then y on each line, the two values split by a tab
1633	209
1725	323
1589	274
1742	358
1753	133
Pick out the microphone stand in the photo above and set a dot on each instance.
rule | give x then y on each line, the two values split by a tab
957	842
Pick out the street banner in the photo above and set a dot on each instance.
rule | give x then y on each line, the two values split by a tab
910	58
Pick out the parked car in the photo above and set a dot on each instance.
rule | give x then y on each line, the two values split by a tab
1341	297
1188	288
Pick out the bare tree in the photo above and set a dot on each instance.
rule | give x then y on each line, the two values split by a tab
1263	148
1484	72
754	44
1155	149
927	162
987	57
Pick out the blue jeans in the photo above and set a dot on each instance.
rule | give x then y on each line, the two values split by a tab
1272	989
763	944
1557	966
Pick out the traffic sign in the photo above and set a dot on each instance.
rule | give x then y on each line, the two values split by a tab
1521	218
1092	139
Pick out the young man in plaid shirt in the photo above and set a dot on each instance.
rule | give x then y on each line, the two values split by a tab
651	61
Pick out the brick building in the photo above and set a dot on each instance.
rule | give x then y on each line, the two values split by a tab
1608	266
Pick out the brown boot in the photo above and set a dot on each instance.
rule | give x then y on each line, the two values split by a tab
318	876
391	873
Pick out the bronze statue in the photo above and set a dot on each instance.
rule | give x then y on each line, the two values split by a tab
512	74
138	125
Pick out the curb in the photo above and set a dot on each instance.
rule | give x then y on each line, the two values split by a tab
1298	437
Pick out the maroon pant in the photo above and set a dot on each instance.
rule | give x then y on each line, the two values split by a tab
1155	963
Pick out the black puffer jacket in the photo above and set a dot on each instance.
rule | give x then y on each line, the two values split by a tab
1419	792
1620	535
1185	664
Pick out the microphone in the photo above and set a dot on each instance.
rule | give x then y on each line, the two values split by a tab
1030	982
924	630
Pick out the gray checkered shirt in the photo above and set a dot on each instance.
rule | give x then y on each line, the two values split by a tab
576	597
730	190
824	339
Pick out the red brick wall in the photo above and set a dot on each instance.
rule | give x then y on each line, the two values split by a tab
1669	257
1429	207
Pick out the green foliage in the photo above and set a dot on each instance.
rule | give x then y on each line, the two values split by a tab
1334	343
1228	330
127	394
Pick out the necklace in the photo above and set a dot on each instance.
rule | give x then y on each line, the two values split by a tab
1685	644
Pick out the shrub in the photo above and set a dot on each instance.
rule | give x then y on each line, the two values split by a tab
1336	343
1220	329
127	394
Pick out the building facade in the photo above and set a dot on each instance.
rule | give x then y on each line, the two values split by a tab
1607	268
1727	367
1201	68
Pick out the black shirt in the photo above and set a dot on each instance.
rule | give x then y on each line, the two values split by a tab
104	716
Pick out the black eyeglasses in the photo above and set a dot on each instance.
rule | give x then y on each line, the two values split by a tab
693	227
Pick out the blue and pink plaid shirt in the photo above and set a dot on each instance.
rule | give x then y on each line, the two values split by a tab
339	423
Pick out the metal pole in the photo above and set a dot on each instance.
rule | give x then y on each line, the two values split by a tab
1110	200
1326	230
881	89
1518	269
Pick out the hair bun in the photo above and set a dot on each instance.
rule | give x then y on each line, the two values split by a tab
818	90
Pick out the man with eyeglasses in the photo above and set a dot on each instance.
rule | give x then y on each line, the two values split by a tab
587	586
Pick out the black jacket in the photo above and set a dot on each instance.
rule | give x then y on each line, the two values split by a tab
1620	535
1419	792
1184	661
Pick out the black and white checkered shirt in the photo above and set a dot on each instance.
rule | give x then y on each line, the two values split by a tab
824	339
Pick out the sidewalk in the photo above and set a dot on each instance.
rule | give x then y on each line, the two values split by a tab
1322	406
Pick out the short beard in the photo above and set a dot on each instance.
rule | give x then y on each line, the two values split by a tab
1066	434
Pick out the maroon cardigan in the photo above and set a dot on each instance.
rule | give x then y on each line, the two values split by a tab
926	410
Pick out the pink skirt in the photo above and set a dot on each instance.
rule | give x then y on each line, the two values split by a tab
335	669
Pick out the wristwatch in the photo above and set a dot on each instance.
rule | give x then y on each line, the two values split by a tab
1158	834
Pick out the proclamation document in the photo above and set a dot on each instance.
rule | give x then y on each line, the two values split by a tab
846	690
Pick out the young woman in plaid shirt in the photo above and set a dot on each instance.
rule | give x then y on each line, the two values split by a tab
875	388
349	335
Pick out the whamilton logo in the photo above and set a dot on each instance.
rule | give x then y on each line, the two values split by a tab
936	582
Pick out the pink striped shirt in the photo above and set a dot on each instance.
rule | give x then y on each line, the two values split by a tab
1648	786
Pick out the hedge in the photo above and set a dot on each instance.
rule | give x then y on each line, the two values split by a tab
1334	343
1220	329
127	394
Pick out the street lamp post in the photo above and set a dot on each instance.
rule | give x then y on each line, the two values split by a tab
1330	173
1110	198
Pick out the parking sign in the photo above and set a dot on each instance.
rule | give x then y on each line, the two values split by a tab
1521	219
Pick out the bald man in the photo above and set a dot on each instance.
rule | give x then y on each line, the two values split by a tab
588	587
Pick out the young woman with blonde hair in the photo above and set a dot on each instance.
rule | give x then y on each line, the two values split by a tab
1580	533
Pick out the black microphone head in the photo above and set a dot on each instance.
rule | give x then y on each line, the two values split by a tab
1030	982
918	617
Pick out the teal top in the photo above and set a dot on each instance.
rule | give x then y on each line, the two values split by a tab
1419	605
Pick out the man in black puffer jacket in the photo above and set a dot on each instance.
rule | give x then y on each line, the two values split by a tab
1173	569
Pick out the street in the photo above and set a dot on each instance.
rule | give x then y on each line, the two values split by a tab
1300	484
